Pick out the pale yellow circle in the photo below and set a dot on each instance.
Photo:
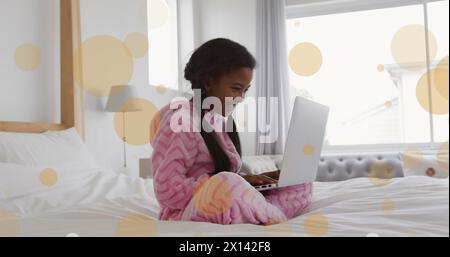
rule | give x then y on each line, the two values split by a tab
139	190
305	59
243	124
380	68
72	92
27	57
439	104
102	62
136	225
158	13
379	173
137	43
9	224
440	78
388	104
316	225
161	89
279	230
388	205
442	156
199	234
308	149
412	158
138	123
48	177
297	24
408	46
215	202
249	193
155	125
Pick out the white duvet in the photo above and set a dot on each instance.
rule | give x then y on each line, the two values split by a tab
97	203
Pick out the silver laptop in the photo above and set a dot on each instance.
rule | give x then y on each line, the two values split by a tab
303	144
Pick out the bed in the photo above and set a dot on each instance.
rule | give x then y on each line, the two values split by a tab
70	199
102	203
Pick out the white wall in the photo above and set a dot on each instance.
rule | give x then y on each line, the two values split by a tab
236	20
29	95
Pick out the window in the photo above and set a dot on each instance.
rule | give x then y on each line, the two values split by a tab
370	67
163	43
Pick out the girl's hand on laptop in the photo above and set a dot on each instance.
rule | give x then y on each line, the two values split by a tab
256	180
272	174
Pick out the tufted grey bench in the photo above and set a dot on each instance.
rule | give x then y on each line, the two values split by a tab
332	167
338	167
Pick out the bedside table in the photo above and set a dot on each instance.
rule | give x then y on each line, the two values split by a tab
145	168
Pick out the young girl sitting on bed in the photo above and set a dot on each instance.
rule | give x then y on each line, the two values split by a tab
197	172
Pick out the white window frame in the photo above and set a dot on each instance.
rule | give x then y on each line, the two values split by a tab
308	8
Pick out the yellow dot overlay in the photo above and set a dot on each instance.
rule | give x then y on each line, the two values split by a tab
199	234
9	224
6	194
408	46
136	225
412	158
137	43
379	173
27	57
388	205
243	124
388	104
296	24
430	172
161	89
158	13
439	104
137	124
442	156
308	149
48	177
155	125
316	225
305	59
440	78
215	202
102	62
380	68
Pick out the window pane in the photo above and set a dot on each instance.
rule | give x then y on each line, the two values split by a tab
365	66
163	43
438	24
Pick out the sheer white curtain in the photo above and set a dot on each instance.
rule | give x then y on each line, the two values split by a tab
272	78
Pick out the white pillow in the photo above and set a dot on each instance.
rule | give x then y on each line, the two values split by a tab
425	165
52	148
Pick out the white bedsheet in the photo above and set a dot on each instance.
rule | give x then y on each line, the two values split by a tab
105	204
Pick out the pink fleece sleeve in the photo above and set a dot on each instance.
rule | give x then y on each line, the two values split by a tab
174	153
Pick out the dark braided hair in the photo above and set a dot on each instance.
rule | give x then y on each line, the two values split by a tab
214	59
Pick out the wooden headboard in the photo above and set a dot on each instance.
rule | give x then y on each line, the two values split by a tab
71	101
